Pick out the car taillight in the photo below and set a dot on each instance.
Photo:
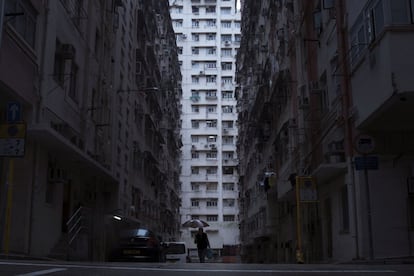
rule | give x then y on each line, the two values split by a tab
151	242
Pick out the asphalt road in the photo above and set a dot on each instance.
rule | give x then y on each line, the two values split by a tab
33	268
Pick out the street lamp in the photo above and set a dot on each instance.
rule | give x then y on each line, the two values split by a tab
144	89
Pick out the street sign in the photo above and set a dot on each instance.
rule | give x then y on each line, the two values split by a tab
367	162
14	110
12	140
364	144
307	188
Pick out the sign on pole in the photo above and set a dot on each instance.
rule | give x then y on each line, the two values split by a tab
307	189
12	140
14	111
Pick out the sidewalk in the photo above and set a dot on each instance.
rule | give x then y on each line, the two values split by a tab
13	256
397	260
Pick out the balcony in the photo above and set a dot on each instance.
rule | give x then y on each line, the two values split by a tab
382	86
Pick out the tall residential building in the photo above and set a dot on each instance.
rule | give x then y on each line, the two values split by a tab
89	125
208	36
326	85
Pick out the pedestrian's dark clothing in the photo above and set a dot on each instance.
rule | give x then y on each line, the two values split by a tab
202	242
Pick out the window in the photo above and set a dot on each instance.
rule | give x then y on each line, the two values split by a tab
228	202
226	24
195	155
226	37
211	170
227	95
195	124
375	20
228	155
226	52
195	203
195	23
195	109
211	139
195	51
211	65
228	170
211	109
211	23
180	50
227	124
211	123
227	140
194	170
227	109
195	10
73	91
25	24
194	138
178	23
211	79
212	202
228	186
227	80
225	10
211	187
237	38
195	187
195	37
195	79
211	51
59	65
211	155
212	217
237	24
211	9
211	36
228	218
211	94
226	66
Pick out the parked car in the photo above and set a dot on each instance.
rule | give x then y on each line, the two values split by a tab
138	245
175	252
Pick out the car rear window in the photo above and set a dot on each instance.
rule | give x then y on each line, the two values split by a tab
175	248
134	233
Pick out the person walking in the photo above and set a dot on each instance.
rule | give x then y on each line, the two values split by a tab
203	243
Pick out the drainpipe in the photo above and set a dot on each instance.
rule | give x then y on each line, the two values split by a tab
343	49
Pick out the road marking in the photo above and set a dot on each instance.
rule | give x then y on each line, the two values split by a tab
43	272
166	268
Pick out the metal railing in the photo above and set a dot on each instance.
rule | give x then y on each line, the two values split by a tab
76	223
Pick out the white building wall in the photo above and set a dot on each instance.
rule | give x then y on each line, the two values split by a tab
220	232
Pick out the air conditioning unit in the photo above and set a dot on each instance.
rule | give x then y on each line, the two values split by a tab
193	147
227	43
183	36
201	72
212	146
225	130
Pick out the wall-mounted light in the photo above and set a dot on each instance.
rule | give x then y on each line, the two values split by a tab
117	217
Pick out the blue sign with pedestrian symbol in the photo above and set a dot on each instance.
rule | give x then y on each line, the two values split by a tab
14	111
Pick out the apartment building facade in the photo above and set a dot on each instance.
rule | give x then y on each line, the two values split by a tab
208	37
327	102
73	93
